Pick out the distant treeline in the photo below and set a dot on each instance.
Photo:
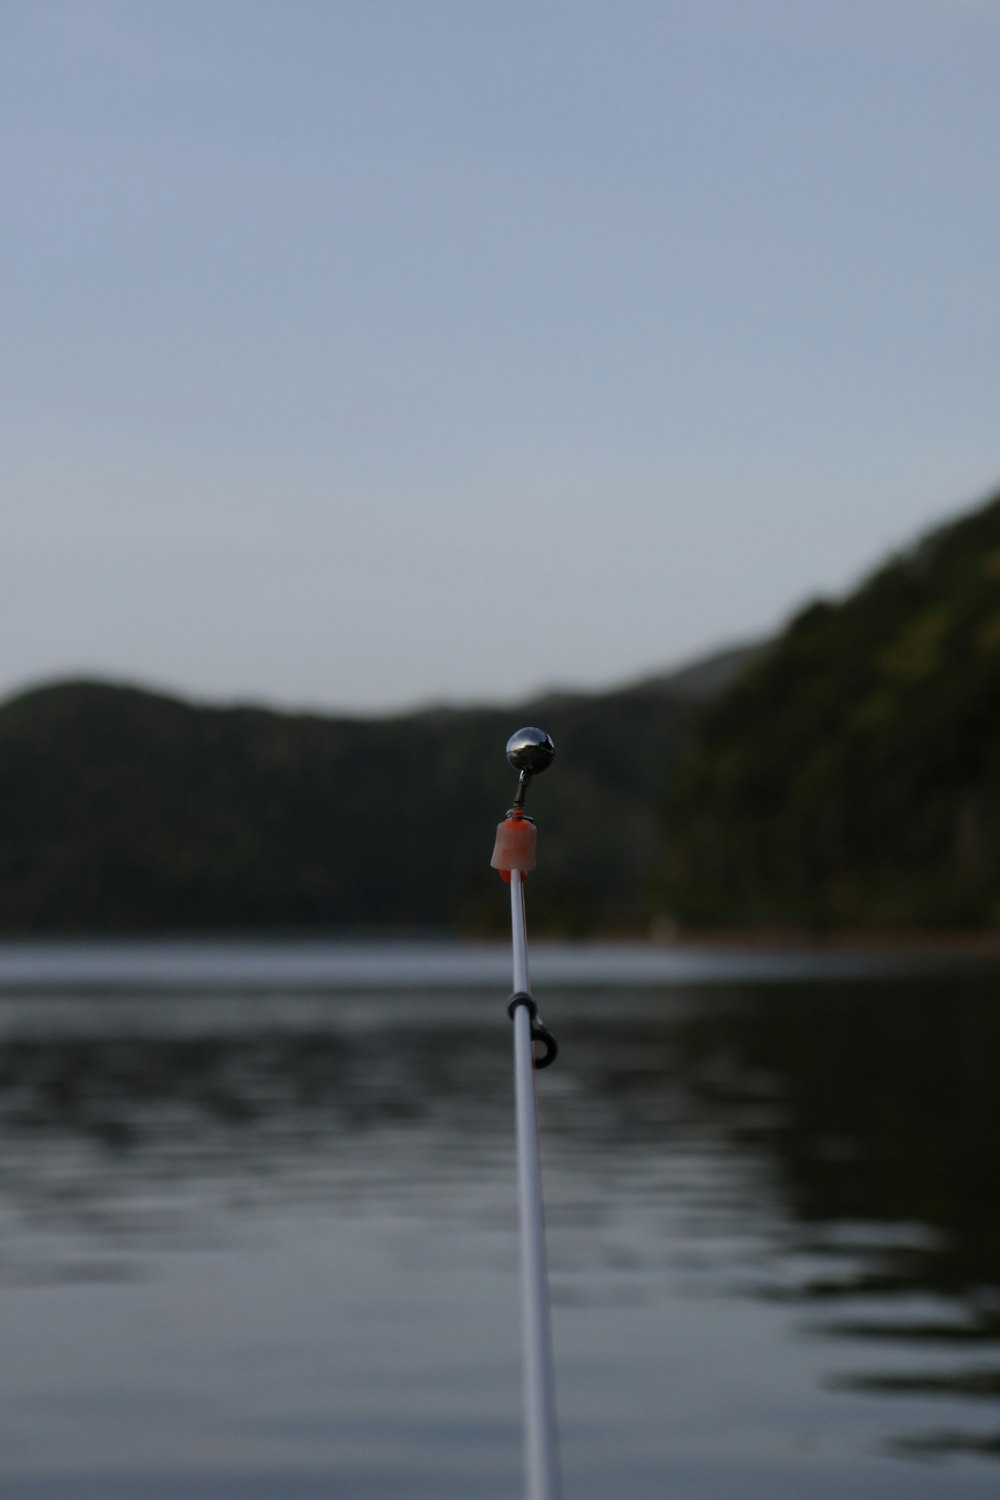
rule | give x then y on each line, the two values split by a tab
127	811
851	777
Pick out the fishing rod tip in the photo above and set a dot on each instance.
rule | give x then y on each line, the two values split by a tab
530	751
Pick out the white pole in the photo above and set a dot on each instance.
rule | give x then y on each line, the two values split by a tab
539	1388
519	933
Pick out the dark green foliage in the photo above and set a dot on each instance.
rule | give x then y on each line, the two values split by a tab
128	811
852	776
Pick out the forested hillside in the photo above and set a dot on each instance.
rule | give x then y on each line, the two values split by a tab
124	810
851	778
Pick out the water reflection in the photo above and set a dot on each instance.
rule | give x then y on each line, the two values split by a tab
136	1120
830	1148
883	1137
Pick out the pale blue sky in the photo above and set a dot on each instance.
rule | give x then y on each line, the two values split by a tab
366	353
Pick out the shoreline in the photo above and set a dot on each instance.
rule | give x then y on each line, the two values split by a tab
929	941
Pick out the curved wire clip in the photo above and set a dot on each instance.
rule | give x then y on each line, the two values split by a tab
541	1036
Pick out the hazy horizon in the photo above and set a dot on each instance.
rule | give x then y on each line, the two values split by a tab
223	700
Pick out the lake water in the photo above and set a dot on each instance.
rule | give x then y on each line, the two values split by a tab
258	1223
